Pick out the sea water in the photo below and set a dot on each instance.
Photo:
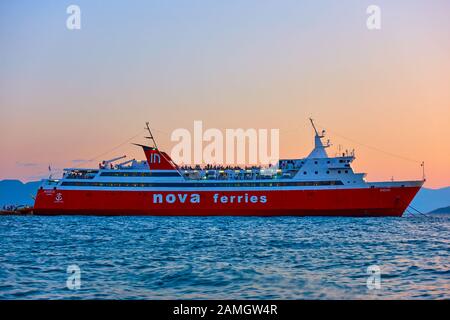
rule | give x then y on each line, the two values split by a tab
224	257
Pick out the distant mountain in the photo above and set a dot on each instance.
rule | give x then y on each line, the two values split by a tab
442	210
16	192
430	199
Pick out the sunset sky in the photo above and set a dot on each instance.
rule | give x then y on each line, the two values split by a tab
72	95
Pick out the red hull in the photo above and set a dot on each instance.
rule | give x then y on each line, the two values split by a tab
363	202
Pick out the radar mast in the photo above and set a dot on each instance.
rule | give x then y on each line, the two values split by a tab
150	135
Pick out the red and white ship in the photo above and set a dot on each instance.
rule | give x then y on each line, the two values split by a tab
318	185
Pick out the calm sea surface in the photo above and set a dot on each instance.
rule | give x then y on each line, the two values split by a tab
224	257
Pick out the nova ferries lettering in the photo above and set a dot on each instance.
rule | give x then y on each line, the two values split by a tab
172	198
239	199
217	198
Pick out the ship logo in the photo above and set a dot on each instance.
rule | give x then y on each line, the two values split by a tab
58	197
154	158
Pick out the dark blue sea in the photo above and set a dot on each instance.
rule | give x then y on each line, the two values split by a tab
224	257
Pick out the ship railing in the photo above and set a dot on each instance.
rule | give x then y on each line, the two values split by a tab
79	174
50	182
228	175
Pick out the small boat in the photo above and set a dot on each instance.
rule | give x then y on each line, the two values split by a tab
16	210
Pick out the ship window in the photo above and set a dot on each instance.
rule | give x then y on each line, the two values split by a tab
346	171
315	162
339	171
139	174
328	172
304	172
196	185
316	172
340	161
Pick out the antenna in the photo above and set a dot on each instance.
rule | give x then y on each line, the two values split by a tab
423	170
150	135
312	122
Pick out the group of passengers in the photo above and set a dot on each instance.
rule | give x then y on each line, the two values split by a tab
104	165
77	175
287	164
218	168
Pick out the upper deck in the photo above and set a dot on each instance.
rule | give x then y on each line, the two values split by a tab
317	169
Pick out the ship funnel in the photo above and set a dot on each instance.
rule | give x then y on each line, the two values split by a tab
158	160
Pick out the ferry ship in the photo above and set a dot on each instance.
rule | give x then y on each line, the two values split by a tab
318	185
